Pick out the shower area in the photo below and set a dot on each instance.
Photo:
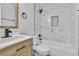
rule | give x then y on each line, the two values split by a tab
58	25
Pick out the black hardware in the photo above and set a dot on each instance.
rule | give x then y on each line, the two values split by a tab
40	37
23	13
7	31
40	11
77	10
20	48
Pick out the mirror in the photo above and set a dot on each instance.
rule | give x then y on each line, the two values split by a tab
8	15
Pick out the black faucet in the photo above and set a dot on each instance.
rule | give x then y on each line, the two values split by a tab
40	38
7	31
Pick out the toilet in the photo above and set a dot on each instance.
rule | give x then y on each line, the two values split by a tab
41	50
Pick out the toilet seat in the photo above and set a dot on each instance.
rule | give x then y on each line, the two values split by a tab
42	50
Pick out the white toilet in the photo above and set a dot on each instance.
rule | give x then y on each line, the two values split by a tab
41	50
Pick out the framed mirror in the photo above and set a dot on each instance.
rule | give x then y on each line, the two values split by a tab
8	15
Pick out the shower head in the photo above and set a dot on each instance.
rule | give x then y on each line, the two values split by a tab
40	11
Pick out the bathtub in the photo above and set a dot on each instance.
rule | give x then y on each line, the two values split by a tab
59	49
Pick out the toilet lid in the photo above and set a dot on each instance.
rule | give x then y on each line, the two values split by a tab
42	48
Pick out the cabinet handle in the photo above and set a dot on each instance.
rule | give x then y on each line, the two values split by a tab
20	48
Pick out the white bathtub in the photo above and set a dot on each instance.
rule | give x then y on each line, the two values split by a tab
58	49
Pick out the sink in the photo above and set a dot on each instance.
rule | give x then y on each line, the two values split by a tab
5	42
15	37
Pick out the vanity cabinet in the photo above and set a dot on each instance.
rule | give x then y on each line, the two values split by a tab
23	48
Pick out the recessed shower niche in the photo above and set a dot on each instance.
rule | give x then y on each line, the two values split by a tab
54	21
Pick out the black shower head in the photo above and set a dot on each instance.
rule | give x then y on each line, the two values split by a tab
40	11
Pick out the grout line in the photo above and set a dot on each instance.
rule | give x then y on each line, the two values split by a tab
34	19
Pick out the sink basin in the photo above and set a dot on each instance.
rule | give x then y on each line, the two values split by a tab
5	42
14	37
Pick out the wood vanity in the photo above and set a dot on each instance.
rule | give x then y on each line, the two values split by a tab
23	48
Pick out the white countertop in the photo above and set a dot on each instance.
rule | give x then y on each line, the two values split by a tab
5	42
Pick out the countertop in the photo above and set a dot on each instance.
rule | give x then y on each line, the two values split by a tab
5	42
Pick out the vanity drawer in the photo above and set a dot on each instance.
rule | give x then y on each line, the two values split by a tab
16	48
21	52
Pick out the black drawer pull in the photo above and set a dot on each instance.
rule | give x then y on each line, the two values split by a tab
20	48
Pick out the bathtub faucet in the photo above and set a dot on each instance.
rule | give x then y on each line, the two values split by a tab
40	38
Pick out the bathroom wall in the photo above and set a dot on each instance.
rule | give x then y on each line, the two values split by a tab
66	31
26	26
76	31
59	33
0	15
75	17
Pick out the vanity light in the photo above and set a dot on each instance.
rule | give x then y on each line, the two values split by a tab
24	15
